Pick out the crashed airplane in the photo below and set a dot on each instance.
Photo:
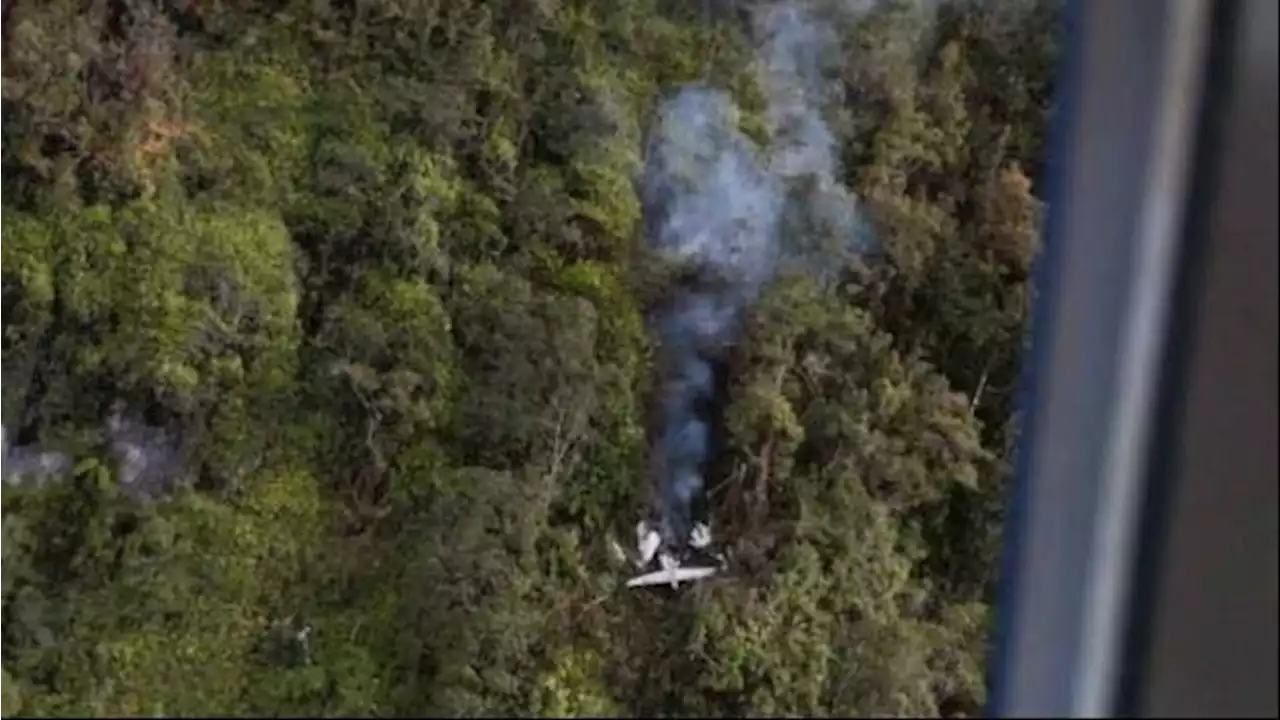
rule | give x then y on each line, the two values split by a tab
650	547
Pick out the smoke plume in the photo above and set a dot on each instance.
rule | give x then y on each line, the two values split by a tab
724	211
148	461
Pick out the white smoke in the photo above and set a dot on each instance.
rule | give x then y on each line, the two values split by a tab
148	460
713	202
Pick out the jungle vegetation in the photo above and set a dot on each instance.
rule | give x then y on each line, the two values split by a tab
378	268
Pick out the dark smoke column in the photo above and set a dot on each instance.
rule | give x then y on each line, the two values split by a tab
710	207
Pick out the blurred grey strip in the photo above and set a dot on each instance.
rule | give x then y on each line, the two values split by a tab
1210	644
1114	225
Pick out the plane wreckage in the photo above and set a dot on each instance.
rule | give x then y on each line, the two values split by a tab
650	548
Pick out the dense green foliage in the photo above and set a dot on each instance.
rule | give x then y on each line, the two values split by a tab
380	264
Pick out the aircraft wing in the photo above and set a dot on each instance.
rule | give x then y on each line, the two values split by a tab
674	576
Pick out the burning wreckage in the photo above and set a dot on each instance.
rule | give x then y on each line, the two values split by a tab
711	209
694	332
714	204
650	546
693	336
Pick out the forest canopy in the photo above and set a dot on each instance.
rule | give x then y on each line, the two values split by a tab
330	368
